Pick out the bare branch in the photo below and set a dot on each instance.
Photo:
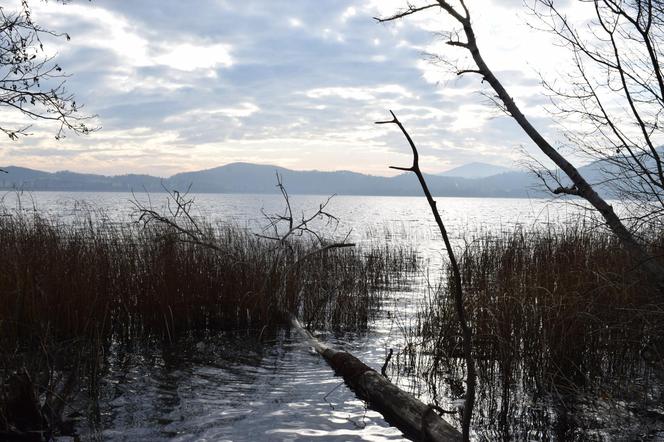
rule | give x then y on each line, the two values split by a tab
32	83
469	71
566	190
457	43
405	12
457	287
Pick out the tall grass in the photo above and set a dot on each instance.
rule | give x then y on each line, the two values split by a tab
557	314
71	291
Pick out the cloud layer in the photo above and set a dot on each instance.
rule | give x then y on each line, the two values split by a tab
189	85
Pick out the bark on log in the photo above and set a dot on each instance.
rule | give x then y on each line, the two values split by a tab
415	419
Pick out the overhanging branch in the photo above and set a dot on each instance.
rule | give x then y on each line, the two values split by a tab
406	12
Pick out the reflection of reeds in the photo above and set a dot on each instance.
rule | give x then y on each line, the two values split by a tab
558	311
70	291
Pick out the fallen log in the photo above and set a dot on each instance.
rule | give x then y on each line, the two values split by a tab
415	419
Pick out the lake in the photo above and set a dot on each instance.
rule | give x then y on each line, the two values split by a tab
266	387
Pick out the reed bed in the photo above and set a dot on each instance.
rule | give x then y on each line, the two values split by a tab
560	317
71	291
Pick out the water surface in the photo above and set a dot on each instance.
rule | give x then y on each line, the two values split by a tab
251	386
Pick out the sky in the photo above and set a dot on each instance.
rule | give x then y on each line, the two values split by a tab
189	85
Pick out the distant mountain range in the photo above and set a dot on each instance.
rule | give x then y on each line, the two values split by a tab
255	178
476	170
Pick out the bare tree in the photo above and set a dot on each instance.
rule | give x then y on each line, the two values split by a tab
464	38
614	96
31	83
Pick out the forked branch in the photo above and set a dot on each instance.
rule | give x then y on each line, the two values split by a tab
302	227
177	217
457	288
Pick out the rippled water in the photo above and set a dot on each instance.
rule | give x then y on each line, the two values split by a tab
247	386
234	388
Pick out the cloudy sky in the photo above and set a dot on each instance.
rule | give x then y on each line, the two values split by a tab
186	85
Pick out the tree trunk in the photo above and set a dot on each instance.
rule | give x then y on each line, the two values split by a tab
414	418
